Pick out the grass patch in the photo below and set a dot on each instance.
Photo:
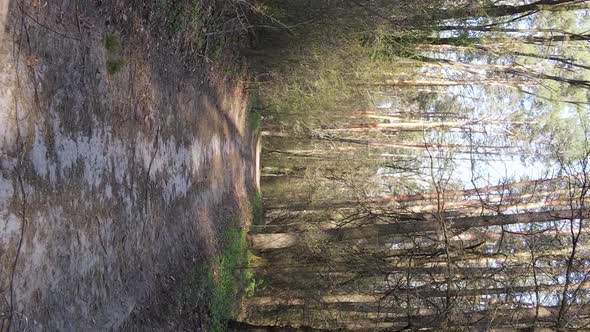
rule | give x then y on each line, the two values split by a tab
229	279
254	117
112	43
255	121
114	66
257	209
210	292
187	22
115	61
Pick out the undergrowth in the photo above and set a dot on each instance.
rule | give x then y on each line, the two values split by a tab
230	277
112	45
257	209
254	117
229	280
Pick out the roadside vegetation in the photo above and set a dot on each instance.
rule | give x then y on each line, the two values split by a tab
229	279
425	165
114	51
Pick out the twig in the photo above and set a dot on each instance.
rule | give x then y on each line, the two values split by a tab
44	26
19	178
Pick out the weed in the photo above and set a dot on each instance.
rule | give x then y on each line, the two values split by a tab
114	53
178	22
250	285
216	48
255	121
114	66
464	40
189	23
257	209
229	279
232	70
112	43
254	117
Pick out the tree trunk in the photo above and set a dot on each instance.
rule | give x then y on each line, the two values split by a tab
263	241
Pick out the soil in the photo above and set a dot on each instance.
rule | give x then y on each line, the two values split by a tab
124	154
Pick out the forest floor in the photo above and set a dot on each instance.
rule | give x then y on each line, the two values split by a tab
126	165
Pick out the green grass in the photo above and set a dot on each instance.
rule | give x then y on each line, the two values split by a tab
221	282
257	209
114	66
112	44
188	22
229	279
184	20
254	117
255	121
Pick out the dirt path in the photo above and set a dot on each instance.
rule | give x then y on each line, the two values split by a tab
119	164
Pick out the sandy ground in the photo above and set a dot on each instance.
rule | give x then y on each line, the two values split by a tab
110	183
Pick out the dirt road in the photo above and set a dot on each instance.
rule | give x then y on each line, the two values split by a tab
119	162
